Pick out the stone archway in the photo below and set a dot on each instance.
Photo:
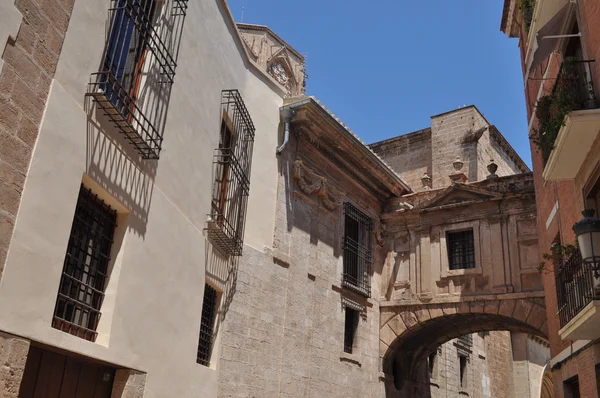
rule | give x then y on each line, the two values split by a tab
547	387
409	334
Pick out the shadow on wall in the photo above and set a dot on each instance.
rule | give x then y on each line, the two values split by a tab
221	272
118	168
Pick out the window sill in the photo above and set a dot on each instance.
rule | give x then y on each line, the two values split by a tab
449	273
351	358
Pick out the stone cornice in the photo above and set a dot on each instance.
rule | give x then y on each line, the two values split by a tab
327	135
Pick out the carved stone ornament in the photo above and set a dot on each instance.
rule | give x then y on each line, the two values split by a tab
278	72
379	229
492	167
311	183
308	181
458	164
330	197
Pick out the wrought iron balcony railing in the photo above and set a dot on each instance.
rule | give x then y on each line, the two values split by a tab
574	287
133	84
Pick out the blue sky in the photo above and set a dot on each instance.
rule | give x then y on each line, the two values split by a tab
384	67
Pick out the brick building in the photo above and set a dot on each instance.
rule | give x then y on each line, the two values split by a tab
560	43
178	220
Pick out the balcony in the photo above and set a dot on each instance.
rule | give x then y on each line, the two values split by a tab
569	121
578	301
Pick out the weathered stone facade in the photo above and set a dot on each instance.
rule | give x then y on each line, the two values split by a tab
282	326
13	355
462	133
283	334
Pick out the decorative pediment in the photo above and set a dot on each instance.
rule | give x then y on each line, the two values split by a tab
460	194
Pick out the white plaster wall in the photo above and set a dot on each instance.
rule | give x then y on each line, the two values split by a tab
154	302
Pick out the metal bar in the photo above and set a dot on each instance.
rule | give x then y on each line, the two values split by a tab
81	289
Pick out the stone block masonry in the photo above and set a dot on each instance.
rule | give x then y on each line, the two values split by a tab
13	355
29	64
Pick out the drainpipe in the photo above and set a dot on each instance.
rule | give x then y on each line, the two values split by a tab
286	115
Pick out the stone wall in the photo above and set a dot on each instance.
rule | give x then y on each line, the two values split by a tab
283	332
13	355
30	61
498	348
128	384
450	138
408	155
462	133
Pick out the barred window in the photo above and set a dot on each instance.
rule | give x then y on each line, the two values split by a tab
357	250
461	249
350	326
231	173
141	50
85	269
209	309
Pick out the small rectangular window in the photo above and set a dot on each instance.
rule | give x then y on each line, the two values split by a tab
461	249
209	310
351	325
432	365
85	269
357	250
463	370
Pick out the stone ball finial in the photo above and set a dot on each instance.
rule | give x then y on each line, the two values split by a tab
458	164
426	180
492	167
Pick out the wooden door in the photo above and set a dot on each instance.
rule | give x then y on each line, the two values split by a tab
51	375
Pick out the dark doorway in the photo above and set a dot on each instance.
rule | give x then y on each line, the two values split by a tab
52	375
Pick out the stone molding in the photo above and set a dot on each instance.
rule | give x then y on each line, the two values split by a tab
311	183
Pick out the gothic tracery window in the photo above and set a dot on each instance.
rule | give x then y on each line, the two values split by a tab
279	73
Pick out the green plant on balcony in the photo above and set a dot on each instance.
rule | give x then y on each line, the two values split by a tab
527	7
551	109
558	253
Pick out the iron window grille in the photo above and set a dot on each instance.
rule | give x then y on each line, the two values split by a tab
133	84
231	170
209	309
85	269
350	326
358	256
461	249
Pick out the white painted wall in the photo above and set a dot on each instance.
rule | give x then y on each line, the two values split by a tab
151	314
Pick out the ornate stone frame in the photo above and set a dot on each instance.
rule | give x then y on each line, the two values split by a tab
446	272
